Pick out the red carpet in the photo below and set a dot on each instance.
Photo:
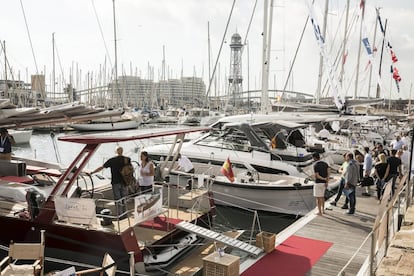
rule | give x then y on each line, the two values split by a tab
158	223
294	257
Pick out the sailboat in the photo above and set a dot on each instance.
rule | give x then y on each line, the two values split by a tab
128	120
83	229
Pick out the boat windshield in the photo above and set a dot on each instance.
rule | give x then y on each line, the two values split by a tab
232	139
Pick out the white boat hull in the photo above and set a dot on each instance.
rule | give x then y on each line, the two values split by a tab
279	199
284	194
21	136
108	126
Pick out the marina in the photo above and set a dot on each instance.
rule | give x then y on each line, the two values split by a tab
295	160
332	230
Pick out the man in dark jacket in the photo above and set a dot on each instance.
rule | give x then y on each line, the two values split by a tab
351	180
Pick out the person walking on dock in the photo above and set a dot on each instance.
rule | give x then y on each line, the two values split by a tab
342	170
351	181
395	170
321	170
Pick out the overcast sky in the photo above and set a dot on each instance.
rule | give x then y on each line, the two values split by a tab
84	39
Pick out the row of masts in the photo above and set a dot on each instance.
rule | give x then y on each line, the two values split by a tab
102	78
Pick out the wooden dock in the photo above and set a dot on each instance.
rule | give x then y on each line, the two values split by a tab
377	240
349	235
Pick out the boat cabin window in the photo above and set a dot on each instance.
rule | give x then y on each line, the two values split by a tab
232	139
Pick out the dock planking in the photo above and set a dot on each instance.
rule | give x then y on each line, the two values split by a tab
346	232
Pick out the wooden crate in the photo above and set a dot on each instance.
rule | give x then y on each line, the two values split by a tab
266	241
214	265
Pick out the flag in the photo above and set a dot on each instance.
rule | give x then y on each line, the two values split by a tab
393	56
329	67
367	46
362	4
396	74
227	171
344	57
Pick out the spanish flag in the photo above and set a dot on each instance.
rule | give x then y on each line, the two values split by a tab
227	171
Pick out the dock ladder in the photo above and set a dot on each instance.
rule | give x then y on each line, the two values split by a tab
211	235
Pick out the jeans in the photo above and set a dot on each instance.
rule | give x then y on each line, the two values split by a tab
380	188
340	189
352	199
120	191
394	178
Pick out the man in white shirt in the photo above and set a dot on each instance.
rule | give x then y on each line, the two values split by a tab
184	164
397	143
404	154
406	139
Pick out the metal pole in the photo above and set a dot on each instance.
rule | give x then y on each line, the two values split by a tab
42	242
131	263
410	166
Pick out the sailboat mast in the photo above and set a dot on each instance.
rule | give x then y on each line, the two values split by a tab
209	61
359	48
116	52
54	66
264	101
370	70
6	88
325	18
382	52
344	51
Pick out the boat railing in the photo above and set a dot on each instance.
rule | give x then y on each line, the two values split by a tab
387	223
174	197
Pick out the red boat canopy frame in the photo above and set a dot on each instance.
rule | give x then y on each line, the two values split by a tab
123	136
92	142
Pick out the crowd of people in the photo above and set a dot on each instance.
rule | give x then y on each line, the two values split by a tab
377	166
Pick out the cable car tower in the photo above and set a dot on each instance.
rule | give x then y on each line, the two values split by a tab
235	76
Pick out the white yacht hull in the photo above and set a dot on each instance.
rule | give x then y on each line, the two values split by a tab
282	194
286	199
21	136
108	126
